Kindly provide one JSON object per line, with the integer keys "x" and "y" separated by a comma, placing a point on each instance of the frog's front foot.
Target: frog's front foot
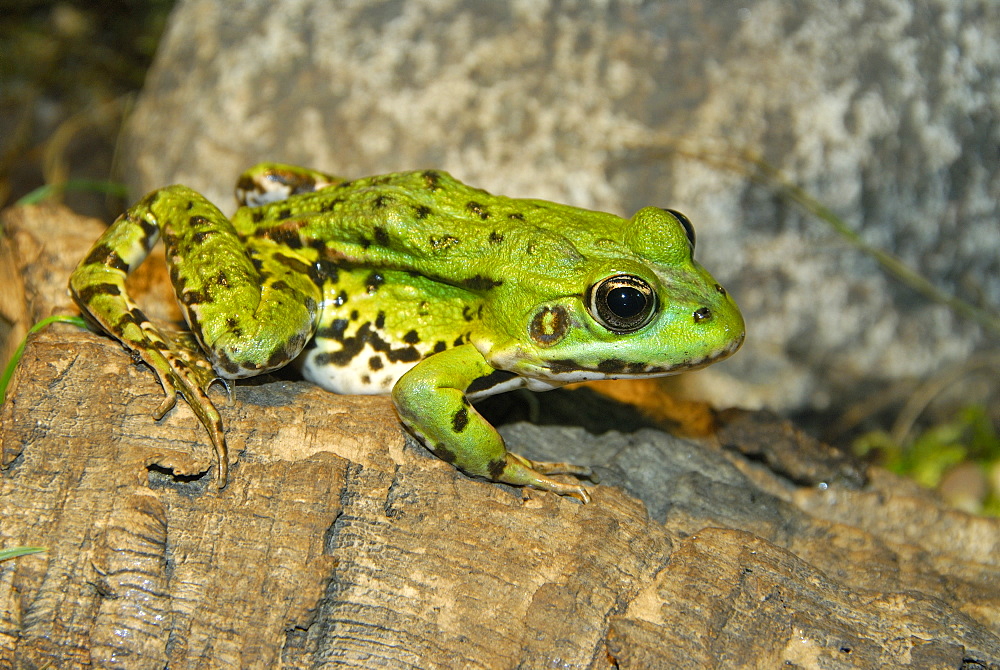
{"x": 549, "y": 468}
{"x": 521, "y": 471}
{"x": 432, "y": 404}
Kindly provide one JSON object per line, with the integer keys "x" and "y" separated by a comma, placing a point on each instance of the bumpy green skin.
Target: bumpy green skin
{"x": 416, "y": 284}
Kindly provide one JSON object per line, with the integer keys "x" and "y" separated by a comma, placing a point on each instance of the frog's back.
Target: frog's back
{"x": 429, "y": 223}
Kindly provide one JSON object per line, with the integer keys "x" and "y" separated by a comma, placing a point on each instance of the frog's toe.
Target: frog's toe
{"x": 568, "y": 490}
{"x": 169, "y": 400}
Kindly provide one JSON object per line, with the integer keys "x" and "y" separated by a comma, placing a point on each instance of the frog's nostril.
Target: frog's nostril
{"x": 702, "y": 314}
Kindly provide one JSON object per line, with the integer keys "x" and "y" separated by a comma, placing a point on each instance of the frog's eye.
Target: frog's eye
{"x": 622, "y": 303}
{"x": 686, "y": 222}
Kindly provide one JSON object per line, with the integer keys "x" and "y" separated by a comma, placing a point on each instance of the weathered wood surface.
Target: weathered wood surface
{"x": 337, "y": 542}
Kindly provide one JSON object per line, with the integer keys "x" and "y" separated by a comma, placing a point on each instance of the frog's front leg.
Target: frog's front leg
{"x": 431, "y": 402}
{"x": 250, "y": 313}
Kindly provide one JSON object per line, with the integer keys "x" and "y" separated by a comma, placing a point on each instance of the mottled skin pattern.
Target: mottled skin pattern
{"x": 415, "y": 284}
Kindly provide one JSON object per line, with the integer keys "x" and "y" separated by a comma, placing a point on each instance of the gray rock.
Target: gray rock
{"x": 885, "y": 110}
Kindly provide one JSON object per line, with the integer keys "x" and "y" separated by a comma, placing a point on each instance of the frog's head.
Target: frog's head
{"x": 638, "y": 305}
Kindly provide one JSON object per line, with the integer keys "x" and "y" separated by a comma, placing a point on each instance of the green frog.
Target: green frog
{"x": 413, "y": 284}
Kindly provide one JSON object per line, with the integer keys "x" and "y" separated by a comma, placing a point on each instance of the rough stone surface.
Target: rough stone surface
{"x": 886, "y": 110}
{"x": 337, "y": 543}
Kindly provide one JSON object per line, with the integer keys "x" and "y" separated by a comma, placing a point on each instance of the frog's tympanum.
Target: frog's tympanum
{"x": 412, "y": 284}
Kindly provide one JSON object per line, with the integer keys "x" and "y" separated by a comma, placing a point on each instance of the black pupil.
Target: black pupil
{"x": 626, "y": 302}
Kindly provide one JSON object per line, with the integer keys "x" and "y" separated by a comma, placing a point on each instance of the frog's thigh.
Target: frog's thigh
{"x": 270, "y": 182}
{"x": 431, "y": 402}
{"x": 250, "y": 314}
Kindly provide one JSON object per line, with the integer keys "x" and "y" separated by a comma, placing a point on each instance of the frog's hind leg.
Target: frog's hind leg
{"x": 265, "y": 183}
{"x": 250, "y": 314}
{"x": 98, "y": 287}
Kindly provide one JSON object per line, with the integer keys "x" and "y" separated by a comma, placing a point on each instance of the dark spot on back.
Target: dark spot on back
{"x": 442, "y": 242}
{"x": 330, "y": 205}
{"x": 477, "y": 209}
{"x": 373, "y": 281}
{"x": 325, "y": 270}
{"x": 150, "y": 199}
{"x": 432, "y": 179}
{"x": 190, "y": 297}
{"x": 481, "y": 283}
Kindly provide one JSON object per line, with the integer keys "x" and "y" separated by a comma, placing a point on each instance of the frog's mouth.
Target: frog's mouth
{"x": 568, "y": 370}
